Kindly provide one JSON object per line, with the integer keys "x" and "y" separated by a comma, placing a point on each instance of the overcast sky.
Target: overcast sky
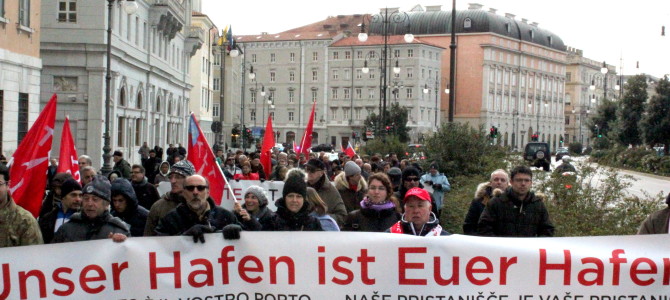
{"x": 605, "y": 30}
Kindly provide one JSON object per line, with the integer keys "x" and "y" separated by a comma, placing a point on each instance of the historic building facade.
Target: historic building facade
{"x": 20, "y": 70}
{"x": 150, "y": 84}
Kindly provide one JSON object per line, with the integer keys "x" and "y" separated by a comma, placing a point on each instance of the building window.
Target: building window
{"x": 314, "y": 95}
{"x": 315, "y": 56}
{"x": 347, "y": 74}
{"x": 67, "y": 11}
{"x": 335, "y": 74}
{"x": 359, "y": 54}
{"x": 567, "y": 120}
{"x": 138, "y": 132}
{"x": 410, "y": 52}
{"x": 291, "y": 76}
{"x": 290, "y": 116}
{"x": 292, "y": 57}
{"x": 273, "y": 57}
{"x": 409, "y": 93}
{"x": 371, "y": 93}
{"x": 347, "y": 54}
{"x": 334, "y": 93}
{"x": 410, "y": 72}
{"x": 336, "y": 55}
{"x": 359, "y": 93}
{"x": 253, "y": 58}
{"x": 215, "y": 110}
{"x": 346, "y": 93}
{"x": 215, "y": 84}
{"x": 253, "y": 96}
{"x": 359, "y": 74}
{"x": 2, "y": 15}
{"x": 253, "y": 115}
{"x": 396, "y": 53}
{"x": 273, "y": 117}
{"x": 291, "y": 96}
{"x": 272, "y": 76}
{"x": 120, "y": 131}
{"x": 24, "y": 13}
{"x": 372, "y": 73}
{"x": 467, "y": 23}
{"x": 23, "y": 116}
{"x": 217, "y": 59}
{"x": 315, "y": 75}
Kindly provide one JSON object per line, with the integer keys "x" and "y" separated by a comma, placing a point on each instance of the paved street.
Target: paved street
{"x": 641, "y": 182}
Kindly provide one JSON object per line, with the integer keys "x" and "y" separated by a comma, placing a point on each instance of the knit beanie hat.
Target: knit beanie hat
{"x": 100, "y": 187}
{"x": 295, "y": 183}
{"x": 351, "y": 169}
{"x": 69, "y": 186}
{"x": 410, "y": 171}
{"x": 182, "y": 167}
{"x": 259, "y": 192}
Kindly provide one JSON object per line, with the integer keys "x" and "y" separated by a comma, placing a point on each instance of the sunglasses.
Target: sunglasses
{"x": 411, "y": 179}
{"x": 200, "y": 188}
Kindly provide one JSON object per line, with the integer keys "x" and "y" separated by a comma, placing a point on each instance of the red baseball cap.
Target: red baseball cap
{"x": 418, "y": 192}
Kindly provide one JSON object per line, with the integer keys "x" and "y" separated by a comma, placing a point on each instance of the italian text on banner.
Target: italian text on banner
{"x": 293, "y": 265}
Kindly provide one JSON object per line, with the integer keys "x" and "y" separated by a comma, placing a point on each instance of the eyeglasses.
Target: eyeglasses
{"x": 200, "y": 188}
{"x": 411, "y": 179}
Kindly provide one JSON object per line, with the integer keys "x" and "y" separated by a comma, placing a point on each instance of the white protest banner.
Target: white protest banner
{"x": 340, "y": 265}
{"x": 273, "y": 192}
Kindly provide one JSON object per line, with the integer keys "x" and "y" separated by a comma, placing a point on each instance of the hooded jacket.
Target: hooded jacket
{"x": 331, "y": 197}
{"x": 483, "y": 195}
{"x": 431, "y": 228}
{"x": 506, "y": 215}
{"x": 134, "y": 215}
{"x": 183, "y": 218}
{"x": 146, "y": 193}
{"x": 81, "y": 228}
{"x": 350, "y": 197}
{"x": 286, "y": 220}
{"x": 160, "y": 176}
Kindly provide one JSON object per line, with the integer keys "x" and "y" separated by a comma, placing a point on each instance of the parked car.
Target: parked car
{"x": 538, "y": 154}
{"x": 561, "y": 152}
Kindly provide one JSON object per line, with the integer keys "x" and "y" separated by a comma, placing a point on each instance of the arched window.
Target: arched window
{"x": 290, "y": 137}
{"x": 158, "y": 104}
{"x": 138, "y": 103}
{"x": 122, "y": 97}
{"x": 467, "y": 23}
{"x": 169, "y": 111}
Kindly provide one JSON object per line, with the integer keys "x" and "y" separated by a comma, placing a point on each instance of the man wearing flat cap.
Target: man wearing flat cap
{"x": 121, "y": 165}
{"x": 94, "y": 222}
{"x": 318, "y": 180}
{"x": 177, "y": 176}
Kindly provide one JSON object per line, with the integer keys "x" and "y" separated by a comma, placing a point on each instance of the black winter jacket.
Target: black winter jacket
{"x": 370, "y": 220}
{"x": 182, "y": 218}
{"x": 134, "y": 215}
{"x": 285, "y": 220}
{"x": 81, "y": 228}
{"x": 146, "y": 193}
{"x": 505, "y": 215}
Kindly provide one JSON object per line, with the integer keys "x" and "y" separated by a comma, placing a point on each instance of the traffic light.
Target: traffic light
{"x": 600, "y": 135}
{"x": 492, "y": 132}
{"x": 495, "y": 133}
{"x": 388, "y": 128}
{"x": 535, "y": 137}
{"x": 561, "y": 139}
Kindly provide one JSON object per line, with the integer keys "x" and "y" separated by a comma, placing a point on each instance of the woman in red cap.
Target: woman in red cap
{"x": 418, "y": 219}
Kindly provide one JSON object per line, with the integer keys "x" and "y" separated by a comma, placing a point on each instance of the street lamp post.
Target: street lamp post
{"x": 130, "y": 7}
{"x": 452, "y": 62}
{"x": 252, "y": 76}
{"x": 386, "y": 19}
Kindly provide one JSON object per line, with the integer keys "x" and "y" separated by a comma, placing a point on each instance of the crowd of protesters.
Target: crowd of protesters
{"x": 377, "y": 193}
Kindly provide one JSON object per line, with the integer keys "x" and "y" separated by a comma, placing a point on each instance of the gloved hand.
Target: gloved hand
{"x": 198, "y": 231}
{"x": 437, "y": 186}
{"x": 232, "y": 232}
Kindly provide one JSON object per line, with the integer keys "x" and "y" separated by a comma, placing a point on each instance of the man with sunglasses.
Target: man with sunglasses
{"x": 411, "y": 178}
{"x": 198, "y": 214}
{"x": 177, "y": 175}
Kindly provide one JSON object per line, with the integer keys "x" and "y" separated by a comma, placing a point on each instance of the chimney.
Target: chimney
{"x": 511, "y": 16}
{"x": 264, "y": 33}
{"x": 524, "y": 20}
{"x": 474, "y": 6}
{"x": 492, "y": 10}
{"x": 433, "y": 7}
{"x": 534, "y": 24}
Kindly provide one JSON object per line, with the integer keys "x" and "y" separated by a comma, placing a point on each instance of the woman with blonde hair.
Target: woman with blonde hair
{"x": 320, "y": 211}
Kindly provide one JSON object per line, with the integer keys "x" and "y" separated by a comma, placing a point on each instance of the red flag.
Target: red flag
{"x": 266, "y": 149}
{"x": 202, "y": 157}
{"x": 306, "y": 143}
{"x": 68, "y": 159}
{"x": 31, "y": 160}
{"x": 349, "y": 151}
